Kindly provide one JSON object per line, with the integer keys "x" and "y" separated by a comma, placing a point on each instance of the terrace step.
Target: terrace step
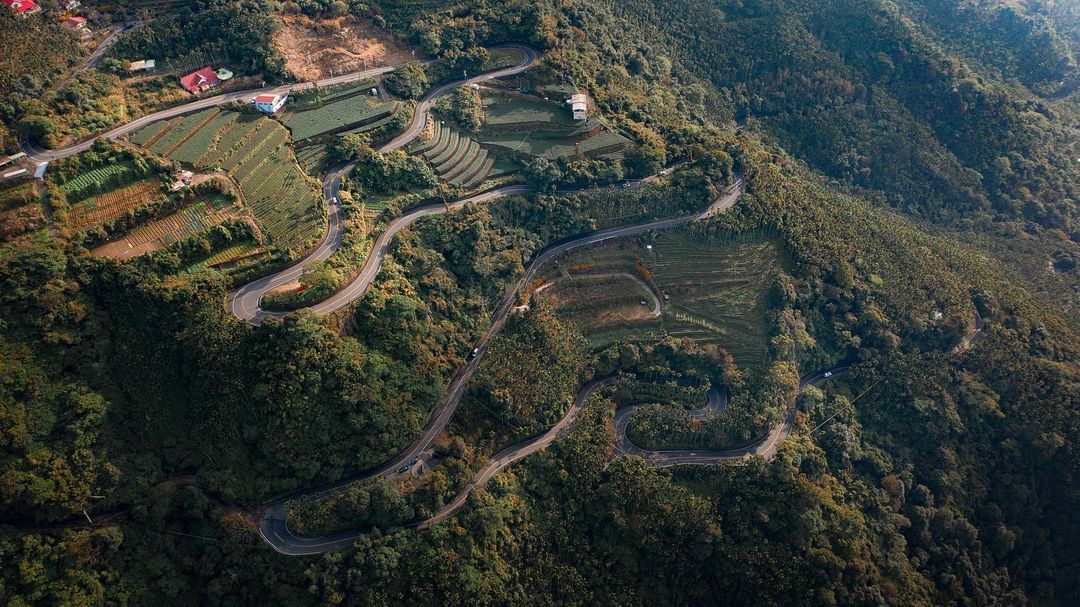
{"x": 452, "y": 157}
{"x": 468, "y": 162}
{"x": 439, "y": 154}
{"x": 481, "y": 175}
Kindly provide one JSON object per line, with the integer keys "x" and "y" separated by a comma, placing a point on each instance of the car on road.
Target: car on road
{"x": 627, "y": 184}
{"x": 664, "y": 172}
{"x": 828, "y": 374}
{"x": 403, "y": 469}
{"x": 414, "y": 460}
{"x": 473, "y": 354}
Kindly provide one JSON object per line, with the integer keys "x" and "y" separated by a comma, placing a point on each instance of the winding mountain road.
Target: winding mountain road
{"x": 272, "y": 524}
{"x": 245, "y": 301}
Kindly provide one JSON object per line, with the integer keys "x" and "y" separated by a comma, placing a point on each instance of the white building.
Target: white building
{"x": 579, "y": 104}
{"x": 142, "y": 65}
{"x": 269, "y": 104}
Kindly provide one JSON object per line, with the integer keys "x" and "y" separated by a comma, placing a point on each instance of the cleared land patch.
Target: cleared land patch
{"x": 312, "y": 48}
{"x": 535, "y": 127}
{"x": 607, "y": 308}
{"x": 256, "y": 152}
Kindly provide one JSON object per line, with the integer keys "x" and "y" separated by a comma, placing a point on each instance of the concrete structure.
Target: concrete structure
{"x": 269, "y": 104}
{"x": 142, "y": 65}
{"x": 223, "y": 74}
{"x": 579, "y": 104}
{"x": 200, "y": 80}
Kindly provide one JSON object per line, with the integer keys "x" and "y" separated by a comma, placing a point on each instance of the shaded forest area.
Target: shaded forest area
{"x": 950, "y": 481}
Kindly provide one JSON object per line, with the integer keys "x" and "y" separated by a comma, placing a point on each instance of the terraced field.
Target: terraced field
{"x": 714, "y": 292}
{"x": 255, "y": 151}
{"x": 348, "y": 113}
{"x": 606, "y": 309}
{"x": 457, "y": 158}
{"x": 535, "y": 127}
{"x": 95, "y": 180}
{"x": 111, "y": 205}
{"x": 551, "y": 146}
{"x": 185, "y": 223}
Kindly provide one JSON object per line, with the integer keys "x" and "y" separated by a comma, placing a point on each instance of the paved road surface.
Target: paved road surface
{"x": 765, "y": 448}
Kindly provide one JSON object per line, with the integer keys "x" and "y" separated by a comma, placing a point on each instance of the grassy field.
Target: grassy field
{"x": 607, "y": 309}
{"x": 256, "y": 152}
{"x": 713, "y": 292}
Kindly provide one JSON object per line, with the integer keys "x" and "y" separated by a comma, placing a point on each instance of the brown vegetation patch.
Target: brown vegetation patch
{"x": 110, "y": 205}
{"x": 314, "y": 47}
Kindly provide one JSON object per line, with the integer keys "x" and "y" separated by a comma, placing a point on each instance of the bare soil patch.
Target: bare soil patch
{"x": 314, "y": 47}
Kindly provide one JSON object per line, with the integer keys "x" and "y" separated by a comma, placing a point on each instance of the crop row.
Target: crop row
{"x": 97, "y": 179}
{"x": 109, "y": 206}
{"x": 144, "y": 135}
{"x": 283, "y": 200}
{"x": 202, "y": 140}
{"x": 336, "y": 116}
{"x": 231, "y": 140}
{"x": 437, "y": 142}
{"x": 186, "y": 222}
{"x": 180, "y": 131}
{"x": 312, "y": 158}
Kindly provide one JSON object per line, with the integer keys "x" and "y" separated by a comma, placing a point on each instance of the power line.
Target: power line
{"x": 839, "y": 410}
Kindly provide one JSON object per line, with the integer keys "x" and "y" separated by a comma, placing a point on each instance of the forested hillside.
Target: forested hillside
{"x": 896, "y": 153}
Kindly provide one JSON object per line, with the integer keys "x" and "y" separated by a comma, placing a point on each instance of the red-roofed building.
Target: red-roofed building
{"x": 269, "y": 104}
{"x": 23, "y": 7}
{"x": 200, "y": 80}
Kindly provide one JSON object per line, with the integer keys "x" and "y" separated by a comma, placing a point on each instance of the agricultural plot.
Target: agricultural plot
{"x": 312, "y": 158}
{"x": 255, "y": 151}
{"x": 538, "y": 128}
{"x": 457, "y": 158}
{"x": 179, "y": 132}
{"x": 202, "y": 140}
{"x": 337, "y": 116}
{"x": 155, "y": 235}
{"x": 95, "y": 180}
{"x": 713, "y": 292}
{"x": 112, "y": 205}
{"x": 606, "y": 308}
{"x": 551, "y": 146}
{"x": 503, "y": 110}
